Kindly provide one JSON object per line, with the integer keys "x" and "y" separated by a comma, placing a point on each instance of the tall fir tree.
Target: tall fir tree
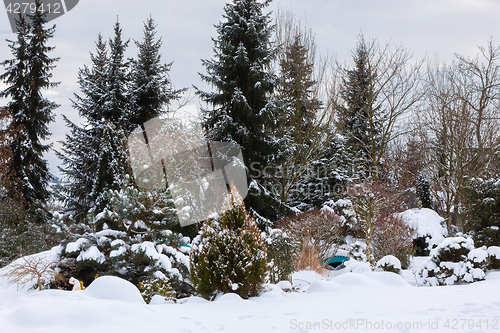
{"x": 93, "y": 84}
{"x": 104, "y": 104}
{"x": 301, "y": 133}
{"x": 78, "y": 157}
{"x": 151, "y": 86}
{"x": 79, "y": 153}
{"x": 298, "y": 87}
{"x": 242, "y": 111}
{"x": 117, "y": 108}
{"x": 355, "y": 115}
{"x": 27, "y": 75}
{"x": 112, "y": 164}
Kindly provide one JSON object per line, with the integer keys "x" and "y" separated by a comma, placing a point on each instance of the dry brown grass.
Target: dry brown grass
{"x": 309, "y": 259}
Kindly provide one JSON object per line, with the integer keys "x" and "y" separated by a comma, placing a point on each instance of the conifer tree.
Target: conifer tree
{"x": 151, "y": 86}
{"x": 112, "y": 164}
{"x": 229, "y": 254}
{"x": 117, "y": 108}
{"x": 242, "y": 111}
{"x": 93, "y": 84}
{"x": 27, "y": 75}
{"x": 303, "y": 130}
{"x": 354, "y": 115}
{"x": 424, "y": 191}
{"x": 79, "y": 154}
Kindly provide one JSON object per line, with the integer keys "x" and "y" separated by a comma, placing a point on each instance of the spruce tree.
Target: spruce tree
{"x": 79, "y": 154}
{"x": 355, "y": 115}
{"x": 79, "y": 159}
{"x": 301, "y": 132}
{"x": 27, "y": 75}
{"x": 112, "y": 164}
{"x": 424, "y": 191}
{"x": 151, "y": 86}
{"x": 118, "y": 107}
{"x": 298, "y": 88}
{"x": 93, "y": 84}
{"x": 242, "y": 111}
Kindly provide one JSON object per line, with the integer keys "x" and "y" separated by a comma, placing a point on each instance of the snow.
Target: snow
{"x": 478, "y": 255}
{"x": 114, "y": 289}
{"x": 75, "y": 246}
{"x": 453, "y": 243}
{"x": 494, "y": 251}
{"x": 353, "y": 299}
{"x": 92, "y": 253}
{"x": 426, "y": 223}
{"x": 389, "y": 261}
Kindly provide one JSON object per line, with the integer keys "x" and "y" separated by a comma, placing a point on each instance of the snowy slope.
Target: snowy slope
{"x": 353, "y": 301}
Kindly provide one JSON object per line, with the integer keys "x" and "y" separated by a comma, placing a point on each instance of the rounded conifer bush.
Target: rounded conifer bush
{"x": 229, "y": 253}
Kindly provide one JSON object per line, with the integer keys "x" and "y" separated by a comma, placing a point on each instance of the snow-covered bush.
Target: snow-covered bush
{"x": 389, "y": 264}
{"x": 111, "y": 252}
{"x": 357, "y": 250}
{"x": 391, "y": 236}
{"x": 229, "y": 254}
{"x": 323, "y": 229}
{"x": 430, "y": 229}
{"x": 345, "y": 209}
{"x": 483, "y": 211}
{"x": 135, "y": 210}
{"x": 281, "y": 255}
{"x": 493, "y": 260}
{"x": 454, "y": 260}
{"x": 21, "y": 234}
{"x": 155, "y": 286}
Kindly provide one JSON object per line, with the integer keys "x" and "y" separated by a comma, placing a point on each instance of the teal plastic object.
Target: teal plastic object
{"x": 339, "y": 259}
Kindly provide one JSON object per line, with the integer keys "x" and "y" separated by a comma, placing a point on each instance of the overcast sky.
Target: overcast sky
{"x": 432, "y": 27}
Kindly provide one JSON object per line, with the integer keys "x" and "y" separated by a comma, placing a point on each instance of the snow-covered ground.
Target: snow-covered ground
{"x": 353, "y": 299}
{"x": 358, "y": 301}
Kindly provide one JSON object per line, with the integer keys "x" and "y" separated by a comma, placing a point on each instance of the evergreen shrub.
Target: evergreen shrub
{"x": 229, "y": 255}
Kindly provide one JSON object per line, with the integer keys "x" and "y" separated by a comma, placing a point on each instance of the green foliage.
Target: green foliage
{"x": 393, "y": 265}
{"x": 242, "y": 110}
{"x": 155, "y": 286}
{"x": 134, "y": 257}
{"x": 138, "y": 211}
{"x": 151, "y": 87}
{"x": 229, "y": 254}
{"x": 281, "y": 254}
{"x": 420, "y": 246}
{"x": 454, "y": 260}
{"x": 27, "y": 75}
{"x": 493, "y": 260}
{"x": 424, "y": 191}
{"x": 21, "y": 234}
{"x": 483, "y": 211}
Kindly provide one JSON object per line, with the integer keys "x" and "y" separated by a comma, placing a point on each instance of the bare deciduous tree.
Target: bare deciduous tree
{"x": 393, "y": 87}
{"x": 461, "y": 120}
